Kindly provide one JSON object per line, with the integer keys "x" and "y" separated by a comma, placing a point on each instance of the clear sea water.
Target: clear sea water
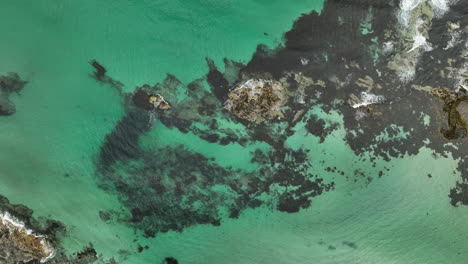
{"x": 48, "y": 147}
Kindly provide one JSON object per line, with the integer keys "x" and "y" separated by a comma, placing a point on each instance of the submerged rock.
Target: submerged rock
{"x": 100, "y": 74}
{"x": 6, "y": 107}
{"x": 257, "y": 100}
{"x": 10, "y": 83}
{"x": 170, "y": 260}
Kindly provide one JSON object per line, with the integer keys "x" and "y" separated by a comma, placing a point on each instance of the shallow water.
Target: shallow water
{"x": 51, "y": 144}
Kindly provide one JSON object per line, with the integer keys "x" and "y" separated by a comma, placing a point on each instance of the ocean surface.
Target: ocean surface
{"x": 49, "y": 148}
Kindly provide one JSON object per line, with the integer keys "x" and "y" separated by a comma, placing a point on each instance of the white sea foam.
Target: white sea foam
{"x": 461, "y": 77}
{"x": 388, "y": 47}
{"x": 368, "y": 99}
{"x": 419, "y": 41}
{"x": 439, "y": 7}
{"x": 406, "y": 7}
{"x": 360, "y": 114}
{"x": 415, "y": 28}
{"x": 454, "y": 38}
{"x": 406, "y": 76}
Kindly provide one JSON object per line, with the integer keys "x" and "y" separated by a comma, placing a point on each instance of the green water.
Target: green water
{"x": 49, "y": 145}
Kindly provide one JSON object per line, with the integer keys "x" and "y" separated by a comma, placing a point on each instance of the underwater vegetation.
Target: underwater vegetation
{"x": 378, "y": 82}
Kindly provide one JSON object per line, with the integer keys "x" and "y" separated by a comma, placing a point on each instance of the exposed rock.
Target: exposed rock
{"x": 257, "y": 100}
{"x": 368, "y": 83}
{"x": 19, "y": 244}
{"x": 456, "y": 107}
{"x": 147, "y": 101}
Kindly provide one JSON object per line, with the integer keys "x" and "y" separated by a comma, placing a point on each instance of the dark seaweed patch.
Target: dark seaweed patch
{"x": 350, "y": 244}
{"x": 10, "y": 83}
{"x": 318, "y": 127}
{"x": 100, "y": 74}
{"x": 173, "y": 188}
{"x": 170, "y": 260}
{"x": 122, "y": 143}
{"x": 219, "y": 84}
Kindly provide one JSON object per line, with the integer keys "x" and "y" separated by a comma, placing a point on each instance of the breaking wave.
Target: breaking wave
{"x": 368, "y": 99}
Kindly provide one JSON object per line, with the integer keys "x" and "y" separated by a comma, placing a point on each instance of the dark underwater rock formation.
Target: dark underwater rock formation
{"x": 326, "y": 62}
{"x": 173, "y": 181}
{"x": 122, "y": 143}
{"x": 10, "y": 83}
{"x": 179, "y": 188}
{"x": 100, "y": 74}
{"x": 170, "y": 260}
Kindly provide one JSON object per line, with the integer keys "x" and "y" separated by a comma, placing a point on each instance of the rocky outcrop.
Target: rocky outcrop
{"x": 148, "y": 101}
{"x": 257, "y": 100}
{"x": 20, "y": 244}
{"x": 25, "y": 239}
{"x": 456, "y": 107}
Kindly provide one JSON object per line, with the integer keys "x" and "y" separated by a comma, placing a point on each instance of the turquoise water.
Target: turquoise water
{"x": 49, "y": 146}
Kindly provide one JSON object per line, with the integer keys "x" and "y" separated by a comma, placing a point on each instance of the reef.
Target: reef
{"x": 381, "y": 83}
{"x": 10, "y": 83}
{"x": 25, "y": 239}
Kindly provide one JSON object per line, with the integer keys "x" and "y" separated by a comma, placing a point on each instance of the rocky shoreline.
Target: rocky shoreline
{"x": 25, "y": 239}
